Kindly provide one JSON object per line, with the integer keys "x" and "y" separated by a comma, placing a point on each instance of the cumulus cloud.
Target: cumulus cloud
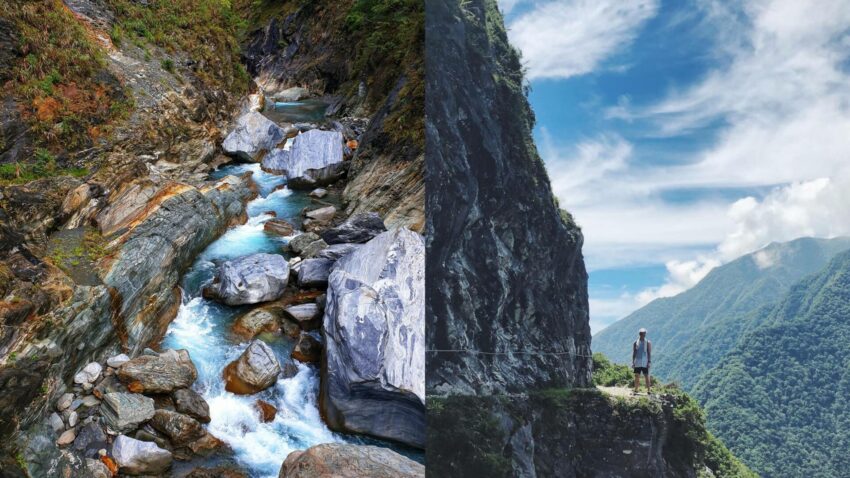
{"x": 564, "y": 38}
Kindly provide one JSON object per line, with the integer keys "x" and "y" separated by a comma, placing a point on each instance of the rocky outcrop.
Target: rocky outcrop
{"x": 374, "y": 326}
{"x": 501, "y": 256}
{"x": 358, "y": 228}
{"x": 307, "y": 316}
{"x": 574, "y": 433}
{"x": 314, "y": 273}
{"x": 252, "y": 135}
{"x": 315, "y": 159}
{"x": 189, "y": 402}
{"x": 255, "y": 322}
{"x": 254, "y": 371}
{"x": 338, "y": 460}
{"x": 159, "y": 245}
{"x": 250, "y": 279}
{"x": 161, "y": 373}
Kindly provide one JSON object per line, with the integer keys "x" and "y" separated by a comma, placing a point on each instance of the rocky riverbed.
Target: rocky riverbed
{"x": 298, "y": 328}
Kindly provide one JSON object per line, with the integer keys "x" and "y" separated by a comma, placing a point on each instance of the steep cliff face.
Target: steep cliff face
{"x": 505, "y": 269}
{"x": 365, "y": 59}
{"x": 577, "y": 433}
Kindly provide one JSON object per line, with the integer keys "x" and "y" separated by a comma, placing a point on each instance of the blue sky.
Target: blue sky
{"x": 683, "y": 134}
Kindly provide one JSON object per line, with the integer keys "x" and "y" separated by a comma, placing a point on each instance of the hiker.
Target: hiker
{"x": 641, "y": 359}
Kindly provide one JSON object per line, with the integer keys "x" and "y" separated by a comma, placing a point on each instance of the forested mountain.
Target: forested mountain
{"x": 692, "y": 331}
{"x": 779, "y": 398}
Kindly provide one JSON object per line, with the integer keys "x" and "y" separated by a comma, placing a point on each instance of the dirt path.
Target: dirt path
{"x": 625, "y": 392}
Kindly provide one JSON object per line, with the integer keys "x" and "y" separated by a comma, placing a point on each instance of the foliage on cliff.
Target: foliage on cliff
{"x": 59, "y": 76}
{"x": 205, "y": 30}
{"x": 481, "y": 435}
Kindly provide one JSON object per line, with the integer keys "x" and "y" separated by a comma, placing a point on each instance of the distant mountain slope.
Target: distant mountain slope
{"x": 779, "y": 399}
{"x": 692, "y": 331}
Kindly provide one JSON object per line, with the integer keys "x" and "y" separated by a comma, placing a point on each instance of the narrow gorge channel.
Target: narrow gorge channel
{"x": 204, "y": 328}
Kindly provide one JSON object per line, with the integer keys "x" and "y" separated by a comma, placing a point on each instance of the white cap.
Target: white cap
{"x": 642, "y": 331}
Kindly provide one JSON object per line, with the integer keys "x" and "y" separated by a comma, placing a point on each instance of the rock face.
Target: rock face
{"x": 336, "y": 251}
{"x": 278, "y": 227}
{"x": 294, "y": 93}
{"x": 251, "y": 279}
{"x": 315, "y": 159}
{"x": 162, "y": 373}
{"x": 161, "y": 243}
{"x": 255, "y": 370}
{"x": 574, "y": 434}
{"x": 488, "y": 198}
{"x": 358, "y": 228}
{"x": 337, "y": 460}
{"x": 124, "y": 412}
{"x": 136, "y": 457}
{"x": 374, "y": 326}
{"x": 253, "y": 134}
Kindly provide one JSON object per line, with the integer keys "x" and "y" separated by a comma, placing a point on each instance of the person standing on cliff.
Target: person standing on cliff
{"x": 641, "y": 359}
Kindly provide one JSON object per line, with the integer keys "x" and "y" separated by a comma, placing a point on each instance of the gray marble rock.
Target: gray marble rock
{"x": 161, "y": 373}
{"x": 314, "y": 273}
{"x": 64, "y": 401}
{"x": 307, "y": 316}
{"x": 318, "y": 193}
{"x": 299, "y": 242}
{"x": 323, "y": 214}
{"x": 336, "y": 251}
{"x": 89, "y": 374}
{"x": 56, "y": 422}
{"x": 117, "y": 360}
{"x": 124, "y": 412}
{"x": 360, "y": 227}
{"x": 189, "y": 402}
{"x": 90, "y": 438}
{"x": 250, "y": 279}
{"x": 278, "y": 227}
{"x": 276, "y": 161}
{"x": 255, "y": 370}
{"x": 374, "y": 326}
{"x": 315, "y": 159}
{"x": 253, "y": 134}
{"x": 97, "y": 468}
{"x": 135, "y": 457}
{"x": 295, "y": 93}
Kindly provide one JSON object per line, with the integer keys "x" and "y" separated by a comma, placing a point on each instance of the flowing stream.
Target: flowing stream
{"x": 203, "y": 328}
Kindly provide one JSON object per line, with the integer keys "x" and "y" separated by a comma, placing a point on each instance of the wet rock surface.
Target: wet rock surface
{"x": 255, "y": 370}
{"x": 250, "y": 279}
{"x": 189, "y": 402}
{"x": 307, "y": 349}
{"x": 315, "y": 159}
{"x": 314, "y": 273}
{"x": 349, "y": 461}
{"x": 374, "y": 330}
{"x": 124, "y": 412}
{"x": 307, "y": 316}
{"x": 256, "y": 322}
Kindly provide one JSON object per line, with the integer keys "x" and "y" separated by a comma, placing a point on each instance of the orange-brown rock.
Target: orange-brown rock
{"x": 267, "y": 411}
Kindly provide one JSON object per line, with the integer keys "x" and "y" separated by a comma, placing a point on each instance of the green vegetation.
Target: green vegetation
{"x": 692, "y": 331}
{"x": 206, "y": 30}
{"x": 469, "y": 432}
{"x": 74, "y": 251}
{"x": 42, "y": 165}
{"x": 66, "y": 95}
{"x": 779, "y": 398}
{"x": 608, "y": 374}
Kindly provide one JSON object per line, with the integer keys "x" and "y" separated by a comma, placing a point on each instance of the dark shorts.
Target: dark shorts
{"x": 641, "y": 370}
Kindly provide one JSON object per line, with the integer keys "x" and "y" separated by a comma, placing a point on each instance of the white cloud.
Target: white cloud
{"x": 681, "y": 276}
{"x": 564, "y": 38}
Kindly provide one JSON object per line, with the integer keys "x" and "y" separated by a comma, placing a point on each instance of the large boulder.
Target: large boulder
{"x": 250, "y": 279}
{"x": 161, "y": 373}
{"x": 180, "y": 429}
{"x": 374, "y": 324}
{"x": 278, "y": 227}
{"x": 254, "y": 371}
{"x": 276, "y": 162}
{"x": 360, "y": 227}
{"x": 314, "y": 273}
{"x": 255, "y": 322}
{"x": 342, "y": 460}
{"x": 136, "y": 457}
{"x": 253, "y": 134}
{"x": 189, "y": 402}
{"x": 294, "y": 93}
{"x": 124, "y": 412}
{"x": 315, "y": 159}
{"x": 336, "y": 251}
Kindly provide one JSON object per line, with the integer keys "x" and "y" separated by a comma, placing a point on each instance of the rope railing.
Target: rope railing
{"x": 511, "y": 352}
